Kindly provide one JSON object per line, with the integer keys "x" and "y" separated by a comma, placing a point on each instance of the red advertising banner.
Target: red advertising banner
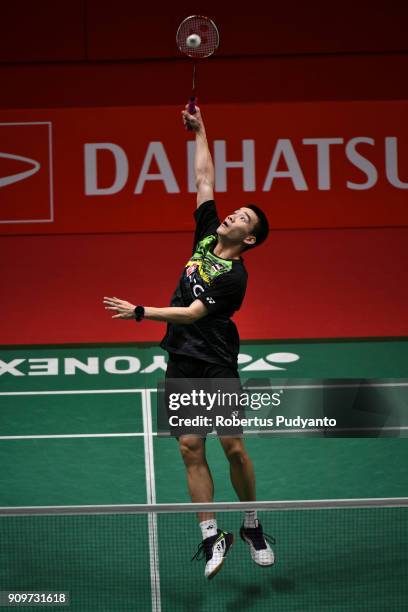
{"x": 98, "y": 170}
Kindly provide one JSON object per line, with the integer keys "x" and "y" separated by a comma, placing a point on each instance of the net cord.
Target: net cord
{"x": 309, "y": 504}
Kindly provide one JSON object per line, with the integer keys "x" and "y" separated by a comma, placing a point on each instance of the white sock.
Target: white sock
{"x": 209, "y": 528}
{"x": 250, "y": 519}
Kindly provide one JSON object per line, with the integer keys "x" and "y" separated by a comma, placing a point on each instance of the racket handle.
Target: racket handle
{"x": 192, "y": 105}
{"x": 191, "y": 109}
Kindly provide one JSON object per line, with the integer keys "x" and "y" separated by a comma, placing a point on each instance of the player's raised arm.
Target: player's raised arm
{"x": 203, "y": 163}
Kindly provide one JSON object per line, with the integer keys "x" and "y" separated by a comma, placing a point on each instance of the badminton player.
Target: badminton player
{"x": 203, "y": 343}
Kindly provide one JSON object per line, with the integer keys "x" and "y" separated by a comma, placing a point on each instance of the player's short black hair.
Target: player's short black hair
{"x": 261, "y": 229}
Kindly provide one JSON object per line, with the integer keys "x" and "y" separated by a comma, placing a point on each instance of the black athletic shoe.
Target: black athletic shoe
{"x": 214, "y": 549}
{"x": 257, "y": 540}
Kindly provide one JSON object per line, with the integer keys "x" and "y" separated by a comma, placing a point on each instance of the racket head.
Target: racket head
{"x": 206, "y": 30}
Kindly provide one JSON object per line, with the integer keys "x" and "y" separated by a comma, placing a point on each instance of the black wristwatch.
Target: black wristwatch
{"x": 140, "y": 313}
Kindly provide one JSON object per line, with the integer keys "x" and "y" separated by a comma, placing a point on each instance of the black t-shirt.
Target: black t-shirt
{"x": 220, "y": 284}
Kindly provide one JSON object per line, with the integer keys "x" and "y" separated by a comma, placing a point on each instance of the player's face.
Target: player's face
{"x": 238, "y": 226}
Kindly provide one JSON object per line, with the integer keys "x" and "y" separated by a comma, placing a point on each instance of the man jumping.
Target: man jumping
{"x": 203, "y": 343}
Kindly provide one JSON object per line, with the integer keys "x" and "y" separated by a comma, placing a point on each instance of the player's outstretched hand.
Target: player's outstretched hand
{"x": 193, "y": 122}
{"x": 124, "y": 310}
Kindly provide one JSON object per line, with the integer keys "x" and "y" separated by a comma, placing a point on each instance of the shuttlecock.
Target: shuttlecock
{"x": 193, "y": 41}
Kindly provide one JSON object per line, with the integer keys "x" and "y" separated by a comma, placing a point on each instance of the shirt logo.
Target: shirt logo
{"x": 191, "y": 269}
{"x": 210, "y": 300}
{"x": 217, "y": 267}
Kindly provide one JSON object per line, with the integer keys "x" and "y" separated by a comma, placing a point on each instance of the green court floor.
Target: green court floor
{"x": 77, "y": 426}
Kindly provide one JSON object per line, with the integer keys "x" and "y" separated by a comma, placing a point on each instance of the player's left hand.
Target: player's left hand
{"x": 124, "y": 310}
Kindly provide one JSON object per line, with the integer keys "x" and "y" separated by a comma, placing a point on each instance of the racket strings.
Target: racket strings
{"x": 206, "y": 29}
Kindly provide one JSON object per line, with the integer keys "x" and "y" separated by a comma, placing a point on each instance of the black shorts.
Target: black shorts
{"x": 211, "y": 393}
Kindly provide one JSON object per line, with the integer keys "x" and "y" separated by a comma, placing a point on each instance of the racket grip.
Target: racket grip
{"x": 192, "y": 105}
{"x": 191, "y": 109}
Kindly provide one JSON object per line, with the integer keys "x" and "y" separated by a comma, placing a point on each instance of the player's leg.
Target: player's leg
{"x": 199, "y": 480}
{"x": 180, "y": 374}
{"x": 216, "y": 543}
{"x": 241, "y": 468}
{"x": 243, "y": 480}
{"x": 226, "y": 380}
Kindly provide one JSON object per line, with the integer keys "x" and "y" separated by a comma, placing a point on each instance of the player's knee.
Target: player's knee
{"x": 192, "y": 450}
{"x": 236, "y": 454}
